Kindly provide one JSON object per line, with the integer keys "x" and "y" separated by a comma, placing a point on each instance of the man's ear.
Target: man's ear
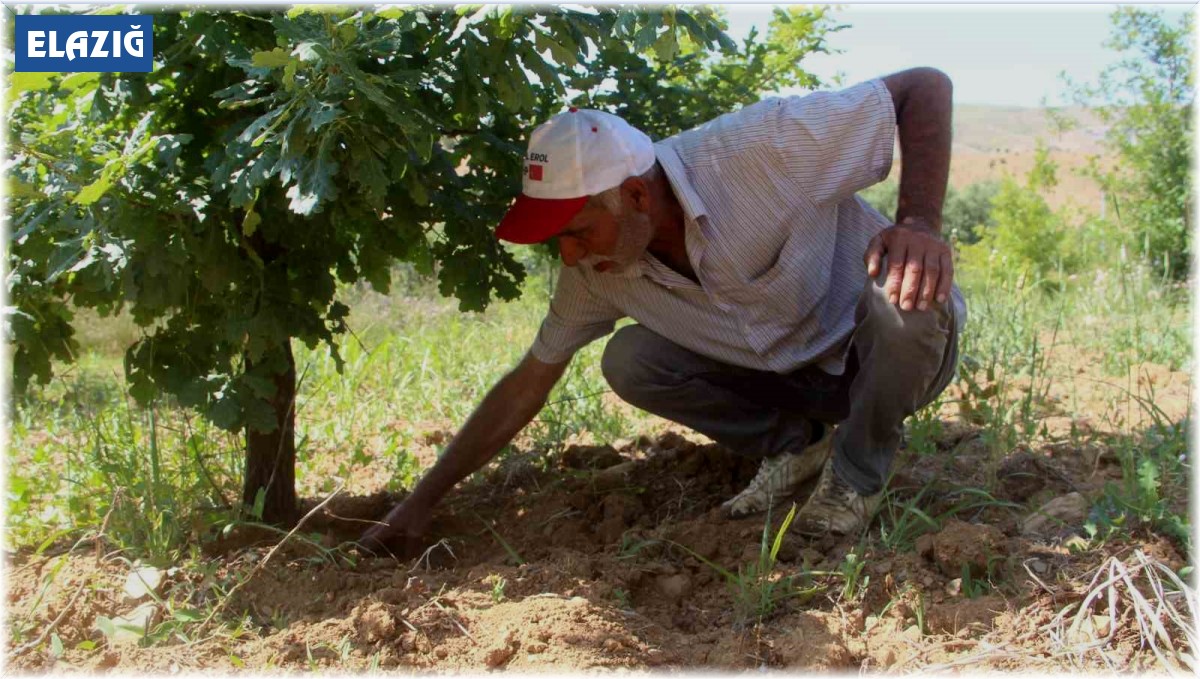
{"x": 635, "y": 191}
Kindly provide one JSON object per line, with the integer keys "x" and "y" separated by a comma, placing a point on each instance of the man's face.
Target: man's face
{"x": 606, "y": 242}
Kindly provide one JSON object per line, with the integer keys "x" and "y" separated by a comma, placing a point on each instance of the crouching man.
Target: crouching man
{"x": 777, "y": 313}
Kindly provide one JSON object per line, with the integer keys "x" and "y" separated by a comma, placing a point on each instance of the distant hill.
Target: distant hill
{"x": 992, "y": 141}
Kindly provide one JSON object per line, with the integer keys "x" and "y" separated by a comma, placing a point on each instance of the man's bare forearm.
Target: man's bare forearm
{"x": 508, "y": 407}
{"x": 923, "y": 100}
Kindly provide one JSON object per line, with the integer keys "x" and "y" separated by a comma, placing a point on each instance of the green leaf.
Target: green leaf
{"x": 29, "y": 82}
{"x": 289, "y": 74}
{"x": 250, "y": 222}
{"x": 666, "y": 47}
{"x": 85, "y": 645}
{"x": 76, "y": 81}
{"x": 187, "y": 615}
{"x": 647, "y": 34}
{"x": 317, "y": 9}
{"x": 94, "y": 191}
{"x": 260, "y": 501}
{"x": 56, "y": 645}
{"x": 273, "y": 59}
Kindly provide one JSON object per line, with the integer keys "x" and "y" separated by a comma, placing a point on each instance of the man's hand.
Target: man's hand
{"x": 507, "y": 408}
{"x": 920, "y": 267}
{"x": 401, "y": 534}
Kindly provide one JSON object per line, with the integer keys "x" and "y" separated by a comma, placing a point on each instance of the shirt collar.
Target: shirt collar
{"x": 693, "y": 207}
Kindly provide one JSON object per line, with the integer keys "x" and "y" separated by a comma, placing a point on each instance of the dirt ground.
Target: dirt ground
{"x": 598, "y": 558}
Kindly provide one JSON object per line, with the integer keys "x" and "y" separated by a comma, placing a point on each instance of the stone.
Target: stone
{"x": 1062, "y": 512}
{"x": 131, "y": 627}
{"x": 590, "y": 457}
{"x": 674, "y": 587}
{"x": 142, "y": 582}
{"x": 498, "y": 656}
{"x": 614, "y": 477}
{"x": 962, "y": 545}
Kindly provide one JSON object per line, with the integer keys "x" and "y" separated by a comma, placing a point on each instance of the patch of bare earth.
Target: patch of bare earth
{"x": 595, "y": 559}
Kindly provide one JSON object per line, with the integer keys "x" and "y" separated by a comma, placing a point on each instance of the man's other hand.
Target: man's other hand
{"x": 401, "y": 534}
{"x": 920, "y": 267}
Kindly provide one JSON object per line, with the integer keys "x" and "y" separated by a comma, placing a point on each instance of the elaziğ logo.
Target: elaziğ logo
{"x": 74, "y": 43}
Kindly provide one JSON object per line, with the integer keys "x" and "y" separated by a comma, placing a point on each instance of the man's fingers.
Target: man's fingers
{"x": 943, "y": 289}
{"x": 912, "y": 282}
{"x": 873, "y": 255}
{"x": 895, "y": 277}
{"x": 929, "y": 280}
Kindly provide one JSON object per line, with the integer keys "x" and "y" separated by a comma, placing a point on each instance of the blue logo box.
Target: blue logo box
{"x": 75, "y": 43}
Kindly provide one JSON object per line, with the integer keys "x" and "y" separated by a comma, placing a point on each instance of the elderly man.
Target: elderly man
{"x": 777, "y": 312}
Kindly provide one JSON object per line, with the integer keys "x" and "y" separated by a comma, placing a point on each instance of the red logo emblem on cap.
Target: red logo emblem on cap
{"x": 535, "y": 172}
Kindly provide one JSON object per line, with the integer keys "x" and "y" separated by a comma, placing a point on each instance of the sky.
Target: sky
{"x": 1009, "y": 55}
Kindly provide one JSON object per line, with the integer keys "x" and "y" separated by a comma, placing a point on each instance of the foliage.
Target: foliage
{"x": 1029, "y": 238}
{"x": 966, "y": 214}
{"x": 680, "y": 78}
{"x": 221, "y": 199}
{"x": 1146, "y": 99}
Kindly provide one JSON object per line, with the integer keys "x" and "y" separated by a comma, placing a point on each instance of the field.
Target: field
{"x": 1037, "y": 519}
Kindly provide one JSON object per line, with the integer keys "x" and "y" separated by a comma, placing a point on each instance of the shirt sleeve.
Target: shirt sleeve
{"x": 835, "y": 144}
{"x": 576, "y": 317}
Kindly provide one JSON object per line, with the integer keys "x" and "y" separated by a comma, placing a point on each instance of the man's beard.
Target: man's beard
{"x": 635, "y": 231}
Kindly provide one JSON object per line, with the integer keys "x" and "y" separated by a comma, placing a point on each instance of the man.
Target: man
{"x": 777, "y": 312}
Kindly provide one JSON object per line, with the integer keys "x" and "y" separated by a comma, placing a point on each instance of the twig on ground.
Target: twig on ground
{"x": 78, "y": 591}
{"x": 259, "y": 566}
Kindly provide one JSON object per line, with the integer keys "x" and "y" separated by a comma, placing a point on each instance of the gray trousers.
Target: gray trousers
{"x": 898, "y": 362}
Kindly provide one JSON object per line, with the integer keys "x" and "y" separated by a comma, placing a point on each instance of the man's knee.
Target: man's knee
{"x": 878, "y": 315}
{"x": 627, "y": 362}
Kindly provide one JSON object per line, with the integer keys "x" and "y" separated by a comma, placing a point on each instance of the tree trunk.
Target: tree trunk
{"x": 271, "y": 457}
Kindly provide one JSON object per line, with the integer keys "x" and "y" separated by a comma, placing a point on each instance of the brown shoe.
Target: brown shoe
{"x": 835, "y": 507}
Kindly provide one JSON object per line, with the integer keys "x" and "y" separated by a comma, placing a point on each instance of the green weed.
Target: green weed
{"x": 757, "y": 589}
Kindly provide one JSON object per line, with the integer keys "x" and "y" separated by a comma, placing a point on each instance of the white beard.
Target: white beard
{"x": 634, "y": 236}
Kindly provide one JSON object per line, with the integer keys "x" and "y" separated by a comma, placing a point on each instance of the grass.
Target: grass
{"x": 758, "y": 588}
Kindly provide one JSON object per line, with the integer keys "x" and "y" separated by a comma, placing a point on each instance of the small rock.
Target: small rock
{"x": 1039, "y": 566}
{"x": 498, "y": 656}
{"x": 535, "y": 647}
{"x": 590, "y": 457}
{"x": 966, "y": 545}
{"x": 141, "y": 582}
{"x": 674, "y": 587}
{"x": 655, "y": 657}
{"x": 1102, "y": 625}
{"x": 613, "y": 477}
{"x": 954, "y": 587}
{"x": 924, "y": 545}
{"x": 1092, "y": 628}
{"x": 811, "y": 557}
{"x": 1064, "y": 511}
{"x": 611, "y": 645}
{"x": 132, "y": 626}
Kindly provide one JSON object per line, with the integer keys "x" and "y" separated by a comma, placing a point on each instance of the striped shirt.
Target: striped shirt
{"x": 773, "y": 230}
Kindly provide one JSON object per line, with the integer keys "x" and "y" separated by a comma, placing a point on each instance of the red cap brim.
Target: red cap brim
{"x": 533, "y": 220}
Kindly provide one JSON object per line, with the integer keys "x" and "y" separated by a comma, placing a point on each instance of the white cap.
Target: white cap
{"x": 575, "y": 154}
